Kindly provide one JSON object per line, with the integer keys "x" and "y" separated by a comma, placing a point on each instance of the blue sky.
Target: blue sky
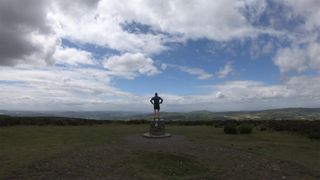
{"x": 219, "y": 55}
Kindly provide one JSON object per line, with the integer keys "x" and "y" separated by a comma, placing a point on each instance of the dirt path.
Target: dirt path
{"x": 108, "y": 161}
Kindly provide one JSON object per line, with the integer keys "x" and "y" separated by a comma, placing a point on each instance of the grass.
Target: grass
{"x": 161, "y": 165}
{"x": 22, "y": 146}
{"x": 280, "y": 145}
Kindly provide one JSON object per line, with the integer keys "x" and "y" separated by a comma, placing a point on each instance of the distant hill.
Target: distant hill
{"x": 98, "y": 115}
{"x": 272, "y": 114}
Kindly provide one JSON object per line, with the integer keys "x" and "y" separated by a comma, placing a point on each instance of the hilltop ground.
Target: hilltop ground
{"x": 116, "y": 151}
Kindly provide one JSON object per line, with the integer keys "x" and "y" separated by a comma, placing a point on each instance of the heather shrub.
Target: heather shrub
{"x": 262, "y": 127}
{"x": 245, "y": 129}
{"x": 230, "y": 129}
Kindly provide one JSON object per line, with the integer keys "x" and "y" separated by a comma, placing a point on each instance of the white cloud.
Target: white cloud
{"x": 89, "y": 89}
{"x": 291, "y": 60}
{"x": 309, "y": 9}
{"x": 131, "y": 65}
{"x": 101, "y": 23}
{"x": 55, "y": 88}
{"x": 218, "y": 20}
{"x": 227, "y": 70}
{"x": 200, "y": 73}
{"x": 260, "y": 48}
{"x": 313, "y": 52}
{"x": 250, "y": 95}
{"x": 219, "y": 95}
{"x": 32, "y": 31}
{"x": 72, "y": 56}
{"x": 305, "y": 86}
{"x": 100, "y": 26}
{"x": 248, "y": 90}
{"x": 298, "y": 59}
{"x": 303, "y": 51}
{"x": 295, "y": 87}
{"x": 164, "y": 66}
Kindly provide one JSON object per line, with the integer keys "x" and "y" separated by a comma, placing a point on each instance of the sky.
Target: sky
{"x": 106, "y": 55}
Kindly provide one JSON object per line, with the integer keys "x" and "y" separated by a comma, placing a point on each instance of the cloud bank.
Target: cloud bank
{"x": 39, "y": 70}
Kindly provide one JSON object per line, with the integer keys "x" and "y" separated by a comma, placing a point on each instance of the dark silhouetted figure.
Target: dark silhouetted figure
{"x": 156, "y": 101}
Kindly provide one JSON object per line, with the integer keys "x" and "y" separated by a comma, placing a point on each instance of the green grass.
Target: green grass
{"x": 161, "y": 165}
{"x": 280, "y": 145}
{"x": 22, "y": 146}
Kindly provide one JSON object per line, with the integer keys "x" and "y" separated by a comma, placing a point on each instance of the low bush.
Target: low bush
{"x": 310, "y": 129}
{"x": 262, "y": 128}
{"x": 245, "y": 129}
{"x": 314, "y": 135}
{"x": 230, "y": 129}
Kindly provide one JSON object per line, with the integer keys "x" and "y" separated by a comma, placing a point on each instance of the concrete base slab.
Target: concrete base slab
{"x": 148, "y": 135}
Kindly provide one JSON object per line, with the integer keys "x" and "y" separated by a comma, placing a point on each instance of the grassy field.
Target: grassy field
{"x": 119, "y": 152}
{"x": 280, "y": 145}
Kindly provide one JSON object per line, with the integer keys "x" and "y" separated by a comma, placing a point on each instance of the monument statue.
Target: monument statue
{"x": 157, "y": 125}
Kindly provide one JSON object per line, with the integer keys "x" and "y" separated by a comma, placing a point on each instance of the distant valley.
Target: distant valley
{"x": 273, "y": 114}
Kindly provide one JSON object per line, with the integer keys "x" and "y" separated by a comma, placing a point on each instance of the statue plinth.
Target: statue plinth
{"x": 157, "y": 130}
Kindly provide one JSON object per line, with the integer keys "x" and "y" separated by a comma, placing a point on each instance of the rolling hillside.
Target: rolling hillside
{"x": 274, "y": 114}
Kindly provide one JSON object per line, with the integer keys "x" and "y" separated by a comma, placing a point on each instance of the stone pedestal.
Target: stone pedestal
{"x": 157, "y": 130}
